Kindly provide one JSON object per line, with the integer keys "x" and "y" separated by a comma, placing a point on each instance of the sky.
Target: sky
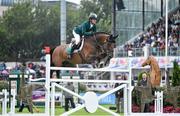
{"x": 74, "y": 1}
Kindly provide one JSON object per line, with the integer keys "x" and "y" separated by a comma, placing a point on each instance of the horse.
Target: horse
{"x": 94, "y": 47}
{"x": 155, "y": 73}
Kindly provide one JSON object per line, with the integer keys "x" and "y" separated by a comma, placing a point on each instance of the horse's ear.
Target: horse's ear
{"x": 115, "y": 36}
{"x": 111, "y": 36}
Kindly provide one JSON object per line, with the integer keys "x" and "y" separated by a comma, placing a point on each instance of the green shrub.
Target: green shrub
{"x": 82, "y": 88}
{"x": 4, "y": 85}
{"x": 176, "y": 74}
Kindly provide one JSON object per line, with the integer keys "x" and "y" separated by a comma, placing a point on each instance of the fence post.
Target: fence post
{"x": 161, "y": 107}
{"x": 158, "y": 102}
{"x": 47, "y": 84}
{"x": 4, "y": 102}
{"x": 52, "y": 100}
{"x": 13, "y": 102}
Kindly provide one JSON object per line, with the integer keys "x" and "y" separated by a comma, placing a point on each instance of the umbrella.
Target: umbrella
{"x": 5, "y": 72}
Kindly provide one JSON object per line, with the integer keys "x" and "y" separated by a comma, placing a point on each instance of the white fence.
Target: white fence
{"x": 158, "y": 102}
{"x": 5, "y": 99}
{"x": 93, "y": 104}
{"x": 126, "y": 85}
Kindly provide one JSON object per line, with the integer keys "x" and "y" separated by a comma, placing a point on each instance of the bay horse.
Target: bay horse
{"x": 155, "y": 72}
{"x": 94, "y": 47}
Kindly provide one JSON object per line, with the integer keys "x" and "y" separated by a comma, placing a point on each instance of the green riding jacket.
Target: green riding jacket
{"x": 84, "y": 29}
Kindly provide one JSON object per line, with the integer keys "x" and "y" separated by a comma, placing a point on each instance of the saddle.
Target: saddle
{"x": 76, "y": 48}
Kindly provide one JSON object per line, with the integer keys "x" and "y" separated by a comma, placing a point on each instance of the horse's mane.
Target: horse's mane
{"x": 102, "y": 33}
{"x": 96, "y": 33}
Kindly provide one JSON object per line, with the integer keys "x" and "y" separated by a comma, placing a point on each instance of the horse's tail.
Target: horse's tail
{"x": 51, "y": 52}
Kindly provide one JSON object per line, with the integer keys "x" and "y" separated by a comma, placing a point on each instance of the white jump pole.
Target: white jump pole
{"x": 129, "y": 89}
{"x": 47, "y": 83}
{"x": 159, "y": 102}
{"x": 52, "y": 100}
{"x": 4, "y": 102}
{"x": 13, "y": 101}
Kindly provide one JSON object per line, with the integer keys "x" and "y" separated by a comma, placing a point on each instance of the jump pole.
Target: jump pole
{"x": 47, "y": 81}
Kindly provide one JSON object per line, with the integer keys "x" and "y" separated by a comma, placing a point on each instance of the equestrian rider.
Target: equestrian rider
{"x": 88, "y": 28}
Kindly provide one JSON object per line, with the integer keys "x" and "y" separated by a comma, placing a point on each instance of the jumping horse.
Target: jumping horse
{"x": 94, "y": 47}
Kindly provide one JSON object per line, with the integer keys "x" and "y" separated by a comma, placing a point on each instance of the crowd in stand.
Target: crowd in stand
{"x": 36, "y": 70}
{"x": 154, "y": 36}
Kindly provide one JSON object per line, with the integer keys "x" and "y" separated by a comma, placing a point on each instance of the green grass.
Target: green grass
{"x": 60, "y": 110}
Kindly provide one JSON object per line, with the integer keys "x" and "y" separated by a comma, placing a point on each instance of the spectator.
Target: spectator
{"x": 68, "y": 96}
{"x": 143, "y": 82}
{"x": 54, "y": 75}
{"x": 118, "y": 94}
{"x": 155, "y": 35}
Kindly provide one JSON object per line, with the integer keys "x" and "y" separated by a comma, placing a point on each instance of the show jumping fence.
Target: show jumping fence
{"x": 91, "y": 104}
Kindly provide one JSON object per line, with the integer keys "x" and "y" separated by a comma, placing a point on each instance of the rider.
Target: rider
{"x": 88, "y": 28}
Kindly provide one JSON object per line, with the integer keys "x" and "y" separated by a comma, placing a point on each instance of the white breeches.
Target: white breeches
{"x": 77, "y": 37}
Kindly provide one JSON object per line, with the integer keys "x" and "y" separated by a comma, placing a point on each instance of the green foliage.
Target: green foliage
{"x": 3, "y": 42}
{"x": 103, "y": 10}
{"x": 176, "y": 74}
{"x": 28, "y": 27}
{"x": 82, "y": 88}
{"x": 4, "y": 85}
{"x": 25, "y": 28}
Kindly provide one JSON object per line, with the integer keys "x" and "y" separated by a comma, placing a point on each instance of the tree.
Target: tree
{"x": 102, "y": 8}
{"x": 3, "y": 42}
{"x": 25, "y": 28}
{"x": 30, "y": 27}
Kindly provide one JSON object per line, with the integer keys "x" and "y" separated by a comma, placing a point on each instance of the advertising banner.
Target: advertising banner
{"x": 137, "y": 62}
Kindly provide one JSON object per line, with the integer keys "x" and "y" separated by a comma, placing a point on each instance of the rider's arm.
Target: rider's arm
{"x": 88, "y": 33}
{"x": 84, "y": 30}
{"x": 94, "y": 28}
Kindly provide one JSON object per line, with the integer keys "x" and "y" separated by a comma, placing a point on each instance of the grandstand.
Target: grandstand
{"x": 142, "y": 23}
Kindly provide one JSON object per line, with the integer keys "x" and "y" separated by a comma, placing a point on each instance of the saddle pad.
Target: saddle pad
{"x": 80, "y": 48}
{"x": 68, "y": 49}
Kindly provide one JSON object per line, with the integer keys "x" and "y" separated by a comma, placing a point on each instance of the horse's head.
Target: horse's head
{"x": 104, "y": 38}
{"x": 107, "y": 43}
{"x": 147, "y": 61}
{"x": 111, "y": 42}
{"x": 103, "y": 43}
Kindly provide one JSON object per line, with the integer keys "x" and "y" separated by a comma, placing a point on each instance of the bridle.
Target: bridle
{"x": 99, "y": 45}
